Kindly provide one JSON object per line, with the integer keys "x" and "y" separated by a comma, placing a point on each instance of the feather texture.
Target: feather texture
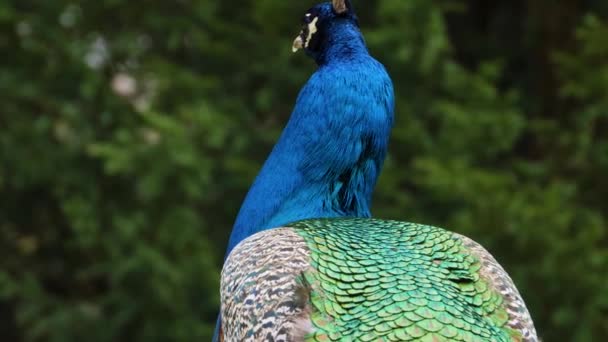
{"x": 336, "y": 274}
{"x": 330, "y": 154}
{"x": 368, "y": 280}
{"x": 331, "y": 151}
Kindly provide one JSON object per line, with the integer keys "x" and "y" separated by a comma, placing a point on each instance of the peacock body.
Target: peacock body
{"x": 305, "y": 262}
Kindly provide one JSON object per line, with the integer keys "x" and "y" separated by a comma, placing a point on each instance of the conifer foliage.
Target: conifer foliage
{"x": 131, "y": 131}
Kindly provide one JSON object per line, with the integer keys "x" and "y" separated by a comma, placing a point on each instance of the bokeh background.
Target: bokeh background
{"x": 131, "y": 130}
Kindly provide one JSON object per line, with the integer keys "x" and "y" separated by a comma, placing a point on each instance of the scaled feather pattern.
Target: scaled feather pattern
{"x": 368, "y": 280}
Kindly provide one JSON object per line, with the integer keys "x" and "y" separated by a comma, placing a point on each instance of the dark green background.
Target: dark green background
{"x": 116, "y": 204}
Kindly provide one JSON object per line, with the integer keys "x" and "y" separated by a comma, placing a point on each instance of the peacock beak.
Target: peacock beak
{"x": 298, "y": 43}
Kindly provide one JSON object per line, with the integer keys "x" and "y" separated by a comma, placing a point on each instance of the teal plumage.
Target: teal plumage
{"x": 306, "y": 263}
{"x": 368, "y": 280}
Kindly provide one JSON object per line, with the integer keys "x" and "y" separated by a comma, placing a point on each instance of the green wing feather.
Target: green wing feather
{"x": 378, "y": 280}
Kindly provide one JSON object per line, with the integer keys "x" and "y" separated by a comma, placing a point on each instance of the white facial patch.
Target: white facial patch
{"x": 312, "y": 29}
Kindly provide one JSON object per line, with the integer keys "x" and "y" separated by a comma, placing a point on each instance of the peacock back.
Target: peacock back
{"x": 368, "y": 280}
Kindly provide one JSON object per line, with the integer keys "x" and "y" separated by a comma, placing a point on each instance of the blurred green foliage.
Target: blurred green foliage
{"x": 132, "y": 130}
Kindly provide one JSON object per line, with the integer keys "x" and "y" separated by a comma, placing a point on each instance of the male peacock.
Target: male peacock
{"x": 329, "y": 272}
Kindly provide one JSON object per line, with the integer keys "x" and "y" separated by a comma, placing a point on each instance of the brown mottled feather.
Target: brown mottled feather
{"x": 263, "y": 291}
{"x": 519, "y": 317}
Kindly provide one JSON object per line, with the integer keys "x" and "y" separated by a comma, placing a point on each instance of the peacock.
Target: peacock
{"x": 305, "y": 260}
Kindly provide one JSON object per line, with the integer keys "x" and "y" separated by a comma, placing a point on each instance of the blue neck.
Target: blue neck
{"x": 342, "y": 43}
{"x": 330, "y": 154}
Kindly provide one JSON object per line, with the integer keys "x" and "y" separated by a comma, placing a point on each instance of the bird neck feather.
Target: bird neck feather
{"x": 344, "y": 41}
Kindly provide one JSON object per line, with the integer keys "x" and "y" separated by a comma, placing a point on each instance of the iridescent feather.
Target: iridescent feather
{"x": 351, "y": 279}
{"x": 368, "y": 280}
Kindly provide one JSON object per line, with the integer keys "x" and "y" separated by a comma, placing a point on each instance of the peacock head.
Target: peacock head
{"x": 326, "y": 25}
